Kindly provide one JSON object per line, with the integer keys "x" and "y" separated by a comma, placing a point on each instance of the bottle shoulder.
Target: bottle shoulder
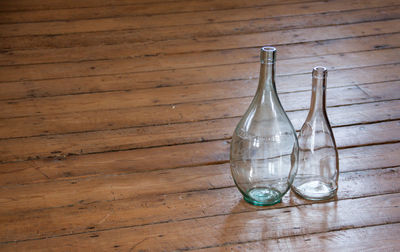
{"x": 316, "y": 134}
{"x": 258, "y": 118}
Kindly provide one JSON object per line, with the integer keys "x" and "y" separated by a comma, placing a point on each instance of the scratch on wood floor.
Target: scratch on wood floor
{"x": 104, "y": 219}
{"x": 137, "y": 244}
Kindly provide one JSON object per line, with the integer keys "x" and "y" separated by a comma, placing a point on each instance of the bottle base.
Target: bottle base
{"x": 263, "y": 196}
{"x": 314, "y": 190}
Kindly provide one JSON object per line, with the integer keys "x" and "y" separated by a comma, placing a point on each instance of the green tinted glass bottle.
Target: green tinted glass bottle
{"x": 264, "y": 146}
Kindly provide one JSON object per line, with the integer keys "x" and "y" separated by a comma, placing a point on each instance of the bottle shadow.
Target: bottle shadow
{"x": 260, "y": 227}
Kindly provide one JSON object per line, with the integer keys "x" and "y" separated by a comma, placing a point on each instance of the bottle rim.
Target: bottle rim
{"x": 268, "y": 54}
{"x": 268, "y": 49}
{"x": 319, "y": 72}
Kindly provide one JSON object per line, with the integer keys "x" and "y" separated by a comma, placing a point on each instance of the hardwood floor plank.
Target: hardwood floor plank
{"x": 232, "y": 56}
{"x": 101, "y": 119}
{"x": 142, "y": 137}
{"x": 180, "y": 94}
{"x": 107, "y": 67}
{"x": 179, "y": 19}
{"x": 355, "y": 114}
{"x": 56, "y": 6}
{"x": 191, "y": 33}
{"x": 177, "y": 96}
{"x": 132, "y": 9}
{"x": 373, "y": 156}
{"x": 59, "y": 4}
{"x": 117, "y": 116}
{"x": 357, "y": 135}
{"x": 291, "y": 101}
{"x": 78, "y": 218}
{"x": 247, "y": 73}
{"x": 141, "y": 160}
{"x": 243, "y": 227}
{"x": 63, "y": 193}
{"x": 382, "y": 237}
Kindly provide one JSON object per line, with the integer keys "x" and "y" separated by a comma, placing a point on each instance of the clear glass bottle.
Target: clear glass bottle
{"x": 318, "y": 171}
{"x": 264, "y": 147}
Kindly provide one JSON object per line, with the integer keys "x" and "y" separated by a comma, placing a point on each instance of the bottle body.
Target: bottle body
{"x": 264, "y": 146}
{"x": 318, "y": 170}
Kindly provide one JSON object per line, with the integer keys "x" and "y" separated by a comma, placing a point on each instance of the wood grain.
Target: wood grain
{"x": 38, "y": 5}
{"x": 95, "y": 10}
{"x": 144, "y": 137}
{"x": 242, "y": 227}
{"x": 38, "y": 196}
{"x": 131, "y": 22}
{"x": 380, "y": 237}
{"x": 295, "y": 103}
{"x": 163, "y": 5}
{"x": 224, "y": 73}
{"x": 154, "y": 55}
{"x": 100, "y": 215}
{"x": 116, "y": 118}
{"x": 173, "y": 95}
{"x": 188, "y": 155}
{"x": 190, "y": 31}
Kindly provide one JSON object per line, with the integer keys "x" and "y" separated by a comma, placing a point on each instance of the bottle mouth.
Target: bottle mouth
{"x": 319, "y": 72}
{"x": 267, "y": 55}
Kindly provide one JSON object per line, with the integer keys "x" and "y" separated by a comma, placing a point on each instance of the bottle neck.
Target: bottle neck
{"x": 318, "y": 98}
{"x": 266, "y": 83}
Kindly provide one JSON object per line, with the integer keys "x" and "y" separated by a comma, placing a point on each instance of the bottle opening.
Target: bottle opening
{"x": 268, "y": 49}
{"x": 319, "y": 72}
{"x": 268, "y": 55}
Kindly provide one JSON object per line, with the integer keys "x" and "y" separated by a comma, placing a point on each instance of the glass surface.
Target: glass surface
{"x": 264, "y": 146}
{"x": 318, "y": 171}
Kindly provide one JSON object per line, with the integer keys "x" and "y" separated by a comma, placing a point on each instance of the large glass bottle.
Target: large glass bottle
{"x": 264, "y": 146}
{"x": 318, "y": 171}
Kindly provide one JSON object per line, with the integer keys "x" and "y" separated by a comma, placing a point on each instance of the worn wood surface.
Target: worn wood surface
{"x": 116, "y": 118}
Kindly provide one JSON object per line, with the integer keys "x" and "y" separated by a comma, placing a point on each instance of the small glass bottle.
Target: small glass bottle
{"x": 264, "y": 146}
{"x": 318, "y": 170}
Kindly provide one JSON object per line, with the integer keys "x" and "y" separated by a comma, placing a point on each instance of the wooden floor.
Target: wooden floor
{"x": 116, "y": 118}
